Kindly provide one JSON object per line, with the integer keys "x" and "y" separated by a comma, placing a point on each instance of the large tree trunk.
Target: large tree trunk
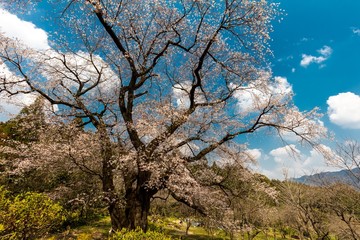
{"x": 112, "y": 199}
{"x": 108, "y": 187}
{"x": 116, "y": 215}
{"x": 137, "y": 209}
{"x": 134, "y": 214}
{"x": 138, "y": 197}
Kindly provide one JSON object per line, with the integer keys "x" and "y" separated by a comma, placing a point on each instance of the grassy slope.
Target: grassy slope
{"x": 99, "y": 230}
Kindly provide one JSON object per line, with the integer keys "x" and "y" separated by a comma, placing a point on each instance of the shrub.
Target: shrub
{"x": 27, "y": 215}
{"x": 138, "y": 234}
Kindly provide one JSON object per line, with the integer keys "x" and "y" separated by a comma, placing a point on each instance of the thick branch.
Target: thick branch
{"x": 194, "y": 206}
{"x": 116, "y": 40}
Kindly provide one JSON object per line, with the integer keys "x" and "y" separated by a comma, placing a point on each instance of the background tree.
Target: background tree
{"x": 346, "y": 157}
{"x": 22, "y": 130}
{"x": 163, "y": 85}
{"x": 344, "y": 202}
{"x": 306, "y": 209}
{"x": 37, "y": 154}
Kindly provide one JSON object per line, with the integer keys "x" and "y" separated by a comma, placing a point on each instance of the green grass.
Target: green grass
{"x": 177, "y": 229}
{"x": 95, "y": 230}
{"x": 171, "y": 226}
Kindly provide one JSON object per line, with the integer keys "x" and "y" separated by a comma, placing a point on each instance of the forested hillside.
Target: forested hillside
{"x": 348, "y": 176}
{"x": 58, "y": 193}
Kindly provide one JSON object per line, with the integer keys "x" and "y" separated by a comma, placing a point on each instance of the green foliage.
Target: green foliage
{"x": 138, "y": 234}
{"x": 25, "y": 127}
{"x": 27, "y": 215}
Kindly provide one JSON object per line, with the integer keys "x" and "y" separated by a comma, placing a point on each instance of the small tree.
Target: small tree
{"x": 28, "y": 215}
{"x": 163, "y": 85}
{"x": 305, "y": 209}
{"x": 344, "y": 201}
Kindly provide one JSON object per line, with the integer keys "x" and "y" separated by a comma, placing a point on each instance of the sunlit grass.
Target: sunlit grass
{"x": 171, "y": 226}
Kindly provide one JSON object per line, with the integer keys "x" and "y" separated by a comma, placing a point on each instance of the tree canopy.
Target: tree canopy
{"x": 161, "y": 88}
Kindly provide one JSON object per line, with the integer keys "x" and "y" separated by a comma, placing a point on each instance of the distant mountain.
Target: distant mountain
{"x": 350, "y": 177}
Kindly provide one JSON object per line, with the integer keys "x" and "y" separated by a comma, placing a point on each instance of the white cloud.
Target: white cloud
{"x": 304, "y": 39}
{"x": 283, "y": 154}
{"x": 254, "y": 154}
{"x": 11, "y": 105}
{"x": 281, "y": 86}
{"x": 305, "y": 129}
{"x": 344, "y": 110}
{"x": 26, "y": 32}
{"x": 325, "y": 52}
{"x": 289, "y": 136}
{"x": 290, "y": 162}
{"x": 316, "y": 160}
{"x": 189, "y": 149}
{"x": 20, "y": 99}
{"x": 15, "y": 29}
{"x": 181, "y": 93}
{"x": 81, "y": 63}
{"x": 308, "y": 59}
{"x": 356, "y": 31}
{"x": 257, "y": 94}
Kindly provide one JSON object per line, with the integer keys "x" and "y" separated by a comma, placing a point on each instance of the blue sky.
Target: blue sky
{"x": 308, "y": 26}
{"x": 316, "y": 48}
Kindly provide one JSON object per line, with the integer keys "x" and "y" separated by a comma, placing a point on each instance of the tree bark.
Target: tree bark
{"x": 134, "y": 214}
{"x": 138, "y": 196}
{"x": 116, "y": 216}
{"x": 137, "y": 209}
{"x": 111, "y": 197}
{"x": 107, "y": 179}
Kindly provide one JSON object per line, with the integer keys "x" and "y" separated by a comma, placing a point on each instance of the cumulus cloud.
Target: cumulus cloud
{"x": 308, "y": 59}
{"x": 316, "y": 161}
{"x": 86, "y": 67}
{"x": 344, "y": 110}
{"x": 12, "y": 104}
{"x": 281, "y": 155}
{"x": 254, "y": 155}
{"x": 306, "y": 128}
{"x": 181, "y": 94}
{"x": 325, "y": 52}
{"x": 290, "y": 161}
{"x": 14, "y": 29}
{"x": 26, "y": 32}
{"x": 29, "y": 35}
{"x": 256, "y": 95}
{"x": 289, "y": 136}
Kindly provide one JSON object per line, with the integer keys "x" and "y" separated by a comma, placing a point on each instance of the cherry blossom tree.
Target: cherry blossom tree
{"x": 164, "y": 85}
